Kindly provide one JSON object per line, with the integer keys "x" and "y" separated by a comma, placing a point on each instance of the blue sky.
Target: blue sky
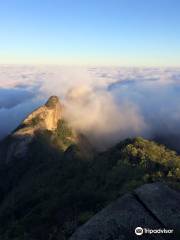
{"x": 90, "y": 32}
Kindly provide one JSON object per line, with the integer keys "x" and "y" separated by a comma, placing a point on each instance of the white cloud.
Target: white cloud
{"x": 115, "y": 102}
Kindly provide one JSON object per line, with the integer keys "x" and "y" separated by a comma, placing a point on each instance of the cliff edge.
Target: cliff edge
{"x": 45, "y": 117}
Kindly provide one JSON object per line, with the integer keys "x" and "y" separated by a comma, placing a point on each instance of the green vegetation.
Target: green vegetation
{"x": 35, "y": 121}
{"x": 54, "y": 191}
{"x": 64, "y": 135}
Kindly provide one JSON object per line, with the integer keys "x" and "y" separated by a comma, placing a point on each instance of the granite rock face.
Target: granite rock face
{"x": 45, "y": 117}
{"x": 163, "y": 202}
{"x": 152, "y": 206}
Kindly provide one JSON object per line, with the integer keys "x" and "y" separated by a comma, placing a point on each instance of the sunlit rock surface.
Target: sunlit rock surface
{"x": 45, "y": 117}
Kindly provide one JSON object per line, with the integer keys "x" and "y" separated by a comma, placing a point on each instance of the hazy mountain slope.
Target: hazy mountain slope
{"x": 61, "y": 182}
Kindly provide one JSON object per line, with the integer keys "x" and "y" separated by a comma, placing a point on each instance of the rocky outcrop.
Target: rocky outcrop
{"x": 152, "y": 206}
{"x": 45, "y": 117}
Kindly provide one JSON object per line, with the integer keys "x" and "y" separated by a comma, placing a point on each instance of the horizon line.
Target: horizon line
{"x": 90, "y": 65}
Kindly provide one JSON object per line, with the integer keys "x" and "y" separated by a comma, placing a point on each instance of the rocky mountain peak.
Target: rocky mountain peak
{"x": 45, "y": 117}
{"x": 52, "y": 102}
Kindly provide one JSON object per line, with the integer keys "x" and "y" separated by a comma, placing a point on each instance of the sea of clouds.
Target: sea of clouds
{"x": 106, "y": 103}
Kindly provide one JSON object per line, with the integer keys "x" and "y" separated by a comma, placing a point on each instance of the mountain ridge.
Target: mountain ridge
{"x": 61, "y": 181}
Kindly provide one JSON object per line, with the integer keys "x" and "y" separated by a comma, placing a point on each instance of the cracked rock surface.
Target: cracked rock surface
{"x": 153, "y": 206}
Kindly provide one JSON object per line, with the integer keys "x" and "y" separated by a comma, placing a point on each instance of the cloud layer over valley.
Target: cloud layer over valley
{"x": 108, "y": 104}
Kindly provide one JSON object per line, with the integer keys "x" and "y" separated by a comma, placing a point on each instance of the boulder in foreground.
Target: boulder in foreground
{"x": 152, "y": 206}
